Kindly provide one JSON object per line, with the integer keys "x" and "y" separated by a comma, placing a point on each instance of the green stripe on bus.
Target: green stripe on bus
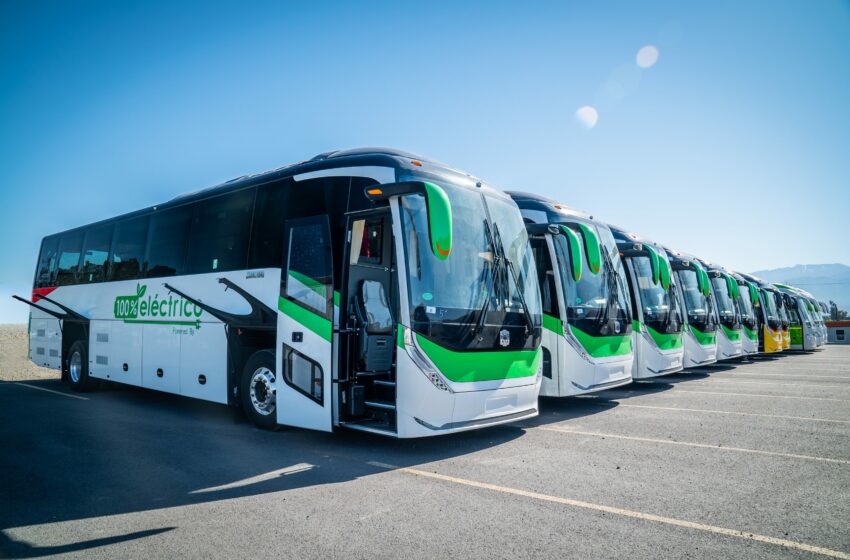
{"x": 603, "y": 346}
{"x": 731, "y": 334}
{"x": 466, "y": 367}
{"x": 553, "y": 324}
{"x": 309, "y": 319}
{"x": 665, "y": 341}
{"x": 704, "y": 338}
{"x": 751, "y": 334}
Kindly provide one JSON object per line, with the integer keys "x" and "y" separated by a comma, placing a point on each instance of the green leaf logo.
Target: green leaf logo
{"x": 140, "y": 290}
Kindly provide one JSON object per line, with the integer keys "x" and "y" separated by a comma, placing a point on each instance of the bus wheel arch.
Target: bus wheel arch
{"x": 76, "y": 370}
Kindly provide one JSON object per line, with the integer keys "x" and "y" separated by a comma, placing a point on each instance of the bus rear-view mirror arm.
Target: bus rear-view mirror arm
{"x": 70, "y": 314}
{"x": 57, "y": 314}
{"x": 437, "y": 205}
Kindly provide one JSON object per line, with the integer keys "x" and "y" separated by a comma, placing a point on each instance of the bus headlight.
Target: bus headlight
{"x": 424, "y": 363}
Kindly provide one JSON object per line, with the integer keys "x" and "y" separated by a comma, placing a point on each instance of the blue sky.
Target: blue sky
{"x": 739, "y": 132}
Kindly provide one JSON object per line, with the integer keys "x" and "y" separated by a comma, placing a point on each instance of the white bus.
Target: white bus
{"x": 697, "y": 303}
{"x": 747, "y": 300}
{"x": 587, "y": 342}
{"x": 370, "y": 289}
{"x": 725, "y": 290}
{"x": 657, "y": 323}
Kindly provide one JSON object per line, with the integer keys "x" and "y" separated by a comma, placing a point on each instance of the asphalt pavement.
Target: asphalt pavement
{"x": 741, "y": 460}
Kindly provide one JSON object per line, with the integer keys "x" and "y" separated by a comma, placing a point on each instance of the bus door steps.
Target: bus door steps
{"x": 384, "y": 383}
{"x": 372, "y": 374}
{"x": 382, "y": 405}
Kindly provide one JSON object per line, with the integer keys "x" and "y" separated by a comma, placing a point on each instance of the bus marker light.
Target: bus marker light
{"x": 375, "y": 191}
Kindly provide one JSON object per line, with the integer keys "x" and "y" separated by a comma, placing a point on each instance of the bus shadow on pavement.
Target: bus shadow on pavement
{"x": 10, "y": 548}
{"x": 129, "y": 450}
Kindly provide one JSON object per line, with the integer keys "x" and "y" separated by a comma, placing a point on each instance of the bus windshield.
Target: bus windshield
{"x": 745, "y": 304}
{"x": 697, "y": 305}
{"x": 770, "y": 312}
{"x": 659, "y": 306}
{"x": 725, "y": 304}
{"x": 484, "y": 296}
{"x": 596, "y": 303}
{"x": 780, "y": 306}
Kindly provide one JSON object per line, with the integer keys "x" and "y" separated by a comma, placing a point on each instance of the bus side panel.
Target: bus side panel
{"x": 125, "y": 347}
{"x": 45, "y": 341}
{"x": 161, "y": 358}
{"x": 203, "y": 363}
{"x": 99, "y": 338}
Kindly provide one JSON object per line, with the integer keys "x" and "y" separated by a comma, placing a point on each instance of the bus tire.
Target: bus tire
{"x": 257, "y": 392}
{"x": 77, "y": 368}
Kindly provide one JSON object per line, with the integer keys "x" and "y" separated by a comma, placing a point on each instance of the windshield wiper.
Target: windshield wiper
{"x": 482, "y": 314}
{"x": 497, "y": 237}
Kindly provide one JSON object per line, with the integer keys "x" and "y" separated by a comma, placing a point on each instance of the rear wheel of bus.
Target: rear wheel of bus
{"x": 77, "y": 368}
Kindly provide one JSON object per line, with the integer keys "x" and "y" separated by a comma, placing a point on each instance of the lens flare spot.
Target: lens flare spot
{"x": 647, "y": 56}
{"x": 587, "y": 116}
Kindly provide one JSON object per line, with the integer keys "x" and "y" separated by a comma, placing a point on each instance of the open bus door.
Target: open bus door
{"x": 305, "y": 326}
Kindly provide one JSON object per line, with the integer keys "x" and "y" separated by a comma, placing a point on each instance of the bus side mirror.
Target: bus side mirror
{"x": 437, "y": 205}
{"x": 575, "y": 251}
{"x": 591, "y": 248}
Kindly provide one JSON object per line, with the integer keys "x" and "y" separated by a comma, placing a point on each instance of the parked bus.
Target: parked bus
{"x": 814, "y": 311}
{"x": 725, "y": 290}
{"x": 770, "y": 325}
{"x": 785, "y": 319}
{"x": 369, "y": 289}
{"x": 697, "y": 304}
{"x": 587, "y": 343}
{"x": 657, "y": 321}
{"x": 747, "y": 300}
{"x": 801, "y": 329}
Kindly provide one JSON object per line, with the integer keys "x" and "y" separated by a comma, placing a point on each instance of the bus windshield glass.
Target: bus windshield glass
{"x": 725, "y": 305}
{"x": 770, "y": 312}
{"x": 596, "y": 303}
{"x": 698, "y": 306}
{"x": 748, "y": 313}
{"x": 485, "y": 293}
{"x": 659, "y": 306}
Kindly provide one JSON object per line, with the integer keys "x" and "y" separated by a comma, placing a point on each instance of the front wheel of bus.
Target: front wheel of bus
{"x": 257, "y": 390}
{"x": 78, "y": 368}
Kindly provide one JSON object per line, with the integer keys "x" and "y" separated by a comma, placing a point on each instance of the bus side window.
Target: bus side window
{"x": 545, "y": 276}
{"x": 219, "y": 238}
{"x": 169, "y": 237}
{"x": 267, "y": 234}
{"x": 47, "y": 263}
{"x": 128, "y": 251}
{"x": 69, "y": 258}
{"x": 309, "y": 272}
{"x": 95, "y": 253}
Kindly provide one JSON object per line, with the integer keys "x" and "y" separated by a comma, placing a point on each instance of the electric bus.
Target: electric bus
{"x": 697, "y": 304}
{"x": 747, "y": 300}
{"x": 801, "y": 328}
{"x": 812, "y": 307}
{"x": 657, "y": 323}
{"x": 587, "y": 343}
{"x": 725, "y": 291}
{"x": 770, "y": 325}
{"x": 785, "y": 319}
{"x": 369, "y": 289}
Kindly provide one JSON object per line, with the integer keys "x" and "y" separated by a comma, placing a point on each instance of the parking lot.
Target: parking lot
{"x": 746, "y": 460}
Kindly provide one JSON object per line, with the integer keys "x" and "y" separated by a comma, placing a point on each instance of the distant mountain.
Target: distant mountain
{"x": 825, "y": 281}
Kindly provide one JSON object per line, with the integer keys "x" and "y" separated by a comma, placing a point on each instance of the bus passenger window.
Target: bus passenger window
{"x": 47, "y": 263}
{"x": 69, "y": 258}
{"x": 129, "y": 251}
{"x": 95, "y": 253}
{"x": 169, "y": 236}
{"x": 219, "y": 239}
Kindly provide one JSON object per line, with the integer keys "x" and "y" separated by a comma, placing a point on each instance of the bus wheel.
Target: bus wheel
{"x": 78, "y": 368}
{"x": 257, "y": 390}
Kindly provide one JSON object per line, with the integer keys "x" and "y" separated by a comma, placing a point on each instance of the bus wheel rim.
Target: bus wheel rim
{"x": 262, "y": 391}
{"x": 75, "y": 367}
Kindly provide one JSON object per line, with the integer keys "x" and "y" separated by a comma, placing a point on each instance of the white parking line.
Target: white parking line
{"x": 747, "y": 373}
{"x": 793, "y": 545}
{"x": 726, "y": 412}
{"x": 48, "y": 390}
{"x": 677, "y": 390}
{"x": 692, "y": 444}
{"x": 300, "y": 467}
{"x": 772, "y": 384}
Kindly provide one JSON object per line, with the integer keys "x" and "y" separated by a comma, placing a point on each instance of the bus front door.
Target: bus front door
{"x": 367, "y": 380}
{"x": 305, "y": 326}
